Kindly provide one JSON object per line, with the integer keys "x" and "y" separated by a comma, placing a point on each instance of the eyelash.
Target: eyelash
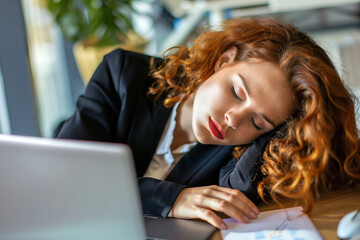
{"x": 235, "y": 95}
{"x": 253, "y": 123}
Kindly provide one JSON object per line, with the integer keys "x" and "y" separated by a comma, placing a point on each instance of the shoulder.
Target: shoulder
{"x": 129, "y": 68}
{"x": 134, "y": 60}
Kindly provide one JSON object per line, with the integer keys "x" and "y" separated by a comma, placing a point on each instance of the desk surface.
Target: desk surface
{"x": 327, "y": 211}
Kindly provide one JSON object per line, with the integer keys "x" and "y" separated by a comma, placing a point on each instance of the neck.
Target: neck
{"x": 183, "y": 132}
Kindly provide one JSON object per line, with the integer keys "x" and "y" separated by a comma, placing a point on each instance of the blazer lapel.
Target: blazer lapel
{"x": 196, "y": 159}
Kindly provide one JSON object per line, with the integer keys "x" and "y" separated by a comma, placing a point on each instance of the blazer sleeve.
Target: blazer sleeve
{"x": 244, "y": 174}
{"x": 158, "y": 197}
{"x": 96, "y": 110}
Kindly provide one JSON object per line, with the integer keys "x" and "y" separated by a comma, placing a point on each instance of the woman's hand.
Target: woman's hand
{"x": 202, "y": 202}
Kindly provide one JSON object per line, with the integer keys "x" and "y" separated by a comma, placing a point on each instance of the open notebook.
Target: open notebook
{"x": 281, "y": 224}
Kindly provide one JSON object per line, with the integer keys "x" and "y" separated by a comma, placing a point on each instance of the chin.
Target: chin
{"x": 204, "y": 136}
{"x": 209, "y": 140}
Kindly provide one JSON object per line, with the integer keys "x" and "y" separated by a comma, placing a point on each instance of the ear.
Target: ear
{"x": 226, "y": 58}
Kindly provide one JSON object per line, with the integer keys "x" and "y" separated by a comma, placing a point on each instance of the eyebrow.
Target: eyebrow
{"x": 243, "y": 81}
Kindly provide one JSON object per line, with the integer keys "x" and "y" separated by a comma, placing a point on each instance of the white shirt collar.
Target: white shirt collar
{"x": 168, "y": 138}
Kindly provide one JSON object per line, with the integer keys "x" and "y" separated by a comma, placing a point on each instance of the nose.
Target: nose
{"x": 234, "y": 118}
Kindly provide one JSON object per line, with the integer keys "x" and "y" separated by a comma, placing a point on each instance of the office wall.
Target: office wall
{"x": 16, "y": 73}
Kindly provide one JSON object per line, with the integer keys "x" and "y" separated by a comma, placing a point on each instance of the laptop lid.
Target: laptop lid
{"x": 66, "y": 189}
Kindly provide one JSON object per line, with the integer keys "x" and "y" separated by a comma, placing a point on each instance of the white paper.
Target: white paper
{"x": 274, "y": 224}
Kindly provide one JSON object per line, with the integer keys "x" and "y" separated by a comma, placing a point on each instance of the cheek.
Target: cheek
{"x": 212, "y": 97}
{"x": 204, "y": 94}
{"x": 243, "y": 135}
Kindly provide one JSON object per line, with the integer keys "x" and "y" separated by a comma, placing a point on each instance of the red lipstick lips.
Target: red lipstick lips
{"x": 216, "y": 129}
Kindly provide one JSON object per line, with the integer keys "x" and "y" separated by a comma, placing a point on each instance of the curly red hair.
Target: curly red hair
{"x": 319, "y": 148}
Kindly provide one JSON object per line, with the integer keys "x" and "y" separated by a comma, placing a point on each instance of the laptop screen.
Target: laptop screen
{"x": 67, "y": 189}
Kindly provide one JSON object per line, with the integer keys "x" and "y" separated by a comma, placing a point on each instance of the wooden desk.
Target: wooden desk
{"x": 327, "y": 211}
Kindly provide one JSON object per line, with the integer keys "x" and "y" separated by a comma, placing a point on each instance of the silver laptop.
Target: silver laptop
{"x": 65, "y": 189}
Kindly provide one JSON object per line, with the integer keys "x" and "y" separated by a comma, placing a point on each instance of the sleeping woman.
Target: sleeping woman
{"x": 252, "y": 111}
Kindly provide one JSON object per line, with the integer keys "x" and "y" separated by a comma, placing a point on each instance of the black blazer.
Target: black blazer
{"x": 115, "y": 108}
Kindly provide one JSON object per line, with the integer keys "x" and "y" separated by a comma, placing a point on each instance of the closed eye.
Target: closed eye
{"x": 254, "y": 124}
{"x": 235, "y": 94}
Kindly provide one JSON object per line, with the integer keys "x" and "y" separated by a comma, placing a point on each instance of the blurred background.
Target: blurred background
{"x": 50, "y": 48}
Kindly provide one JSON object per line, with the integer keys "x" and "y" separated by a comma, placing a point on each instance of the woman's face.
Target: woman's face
{"x": 240, "y": 102}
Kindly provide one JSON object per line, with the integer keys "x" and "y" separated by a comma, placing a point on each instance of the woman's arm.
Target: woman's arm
{"x": 96, "y": 110}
